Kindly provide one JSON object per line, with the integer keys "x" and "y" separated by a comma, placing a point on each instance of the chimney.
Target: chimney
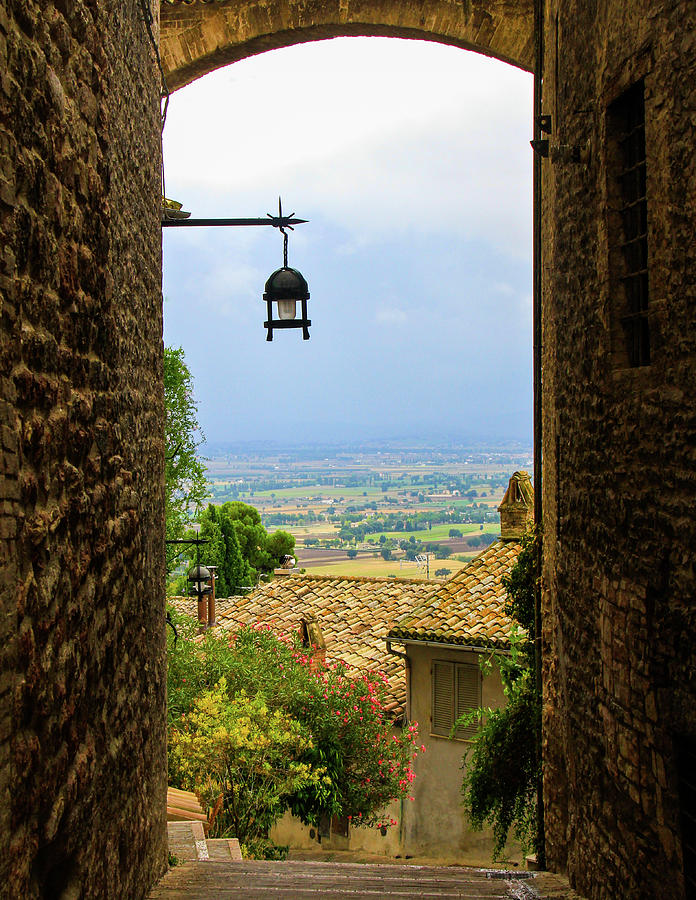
{"x": 313, "y": 639}
{"x": 517, "y": 509}
{"x": 211, "y": 597}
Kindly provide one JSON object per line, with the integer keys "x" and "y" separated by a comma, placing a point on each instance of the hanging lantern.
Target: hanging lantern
{"x": 199, "y": 580}
{"x": 287, "y": 287}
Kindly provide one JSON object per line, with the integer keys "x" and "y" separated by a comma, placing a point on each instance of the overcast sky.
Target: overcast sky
{"x": 412, "y": 162}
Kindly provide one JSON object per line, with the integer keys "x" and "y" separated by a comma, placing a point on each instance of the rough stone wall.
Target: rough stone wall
{"x": 82, "y": 683}
{"x": 619, "y": 461}
{"x": 200, "y": 37}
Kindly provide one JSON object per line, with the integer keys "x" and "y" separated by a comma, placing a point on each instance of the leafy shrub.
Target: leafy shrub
{"x": 242, "y": 759}
{"x": 502, "y": 767}
{"x": 262, "y": 848}
{"x": 248, "y": 706}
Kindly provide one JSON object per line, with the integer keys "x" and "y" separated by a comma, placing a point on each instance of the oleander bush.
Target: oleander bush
{"x": 257, "y": 727}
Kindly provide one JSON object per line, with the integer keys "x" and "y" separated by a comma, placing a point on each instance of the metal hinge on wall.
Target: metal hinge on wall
{"x": 543, "y": 123}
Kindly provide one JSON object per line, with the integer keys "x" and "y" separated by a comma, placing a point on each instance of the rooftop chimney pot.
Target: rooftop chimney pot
{"x": 517, "y": 508}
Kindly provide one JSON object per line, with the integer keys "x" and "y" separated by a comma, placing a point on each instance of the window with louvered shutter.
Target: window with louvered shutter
{"x": 456, "y": 689}
{"x": 468, "y": 697}
{"x": 443, "y": 698}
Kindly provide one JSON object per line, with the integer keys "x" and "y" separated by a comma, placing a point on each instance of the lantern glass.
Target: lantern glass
{"x": 287, "y": 309}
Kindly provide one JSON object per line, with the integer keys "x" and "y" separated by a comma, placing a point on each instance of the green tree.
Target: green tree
{"x": 351, "y": 554}
{"x": 223, "y": 551}
{"x": 501, "y": 770}
{"x": 186, "y": 486}
{"x": 260, "y": 552}
{"x": 278, "y": 545}
{"x": 346, "y": 533}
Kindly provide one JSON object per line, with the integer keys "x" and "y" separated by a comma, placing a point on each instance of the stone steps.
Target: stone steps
{"x": 224, "y": 849}
{"x": 214, "y": 869}
{"x": 256, "y": 880}
{"x": 187, "y": 841}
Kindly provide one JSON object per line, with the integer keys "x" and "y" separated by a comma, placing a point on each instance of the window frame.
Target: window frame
{"x": 456, "y": 673}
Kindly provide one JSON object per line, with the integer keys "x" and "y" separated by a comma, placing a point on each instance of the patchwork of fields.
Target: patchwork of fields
{"x": 393, "y": 501}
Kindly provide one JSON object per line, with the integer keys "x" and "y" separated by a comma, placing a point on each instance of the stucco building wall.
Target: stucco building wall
{"x": 289, "y": 831}
{"x": 82, "y": 690}
{"x": 619, "y": 486}
{"x": 435, "y": 824}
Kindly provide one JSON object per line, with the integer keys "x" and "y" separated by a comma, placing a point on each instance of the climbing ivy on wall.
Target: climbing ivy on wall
{"x": 501, "y": 769}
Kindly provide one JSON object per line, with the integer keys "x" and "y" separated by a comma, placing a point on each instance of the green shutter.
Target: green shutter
{"x": 468, "y": 697}
{"x": 443, "y": 697}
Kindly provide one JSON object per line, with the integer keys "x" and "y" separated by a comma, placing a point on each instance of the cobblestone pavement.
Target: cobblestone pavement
{"x": 302, "y": 880}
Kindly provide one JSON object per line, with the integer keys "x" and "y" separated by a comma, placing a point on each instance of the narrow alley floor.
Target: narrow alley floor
{"x": 304, "y": 880}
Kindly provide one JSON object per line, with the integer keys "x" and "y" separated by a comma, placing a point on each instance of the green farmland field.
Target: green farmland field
{"x": 437, "y": 532}
{"x": 364, "y": 566}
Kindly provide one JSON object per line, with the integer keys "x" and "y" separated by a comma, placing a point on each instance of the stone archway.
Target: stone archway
{"x": 200, "y": 36}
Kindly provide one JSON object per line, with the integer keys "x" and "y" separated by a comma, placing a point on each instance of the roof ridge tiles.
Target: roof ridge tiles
{"x": 359, "y": 578}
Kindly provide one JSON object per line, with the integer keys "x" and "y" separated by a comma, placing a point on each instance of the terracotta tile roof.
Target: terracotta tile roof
{"x": 355, "y": 615}
{"x": 468, "y": 609}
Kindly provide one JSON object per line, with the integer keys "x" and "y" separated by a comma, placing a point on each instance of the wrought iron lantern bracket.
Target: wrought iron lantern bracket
{"x": 286, "y": 286}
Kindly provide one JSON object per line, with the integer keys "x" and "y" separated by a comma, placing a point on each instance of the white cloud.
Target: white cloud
{"x": 228, "y": 287}
{"x": 505, "y": 290}
{"x": 411, "y": 161}
{"x": 391, "y": 315}
{"x": 380, "y": 134}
